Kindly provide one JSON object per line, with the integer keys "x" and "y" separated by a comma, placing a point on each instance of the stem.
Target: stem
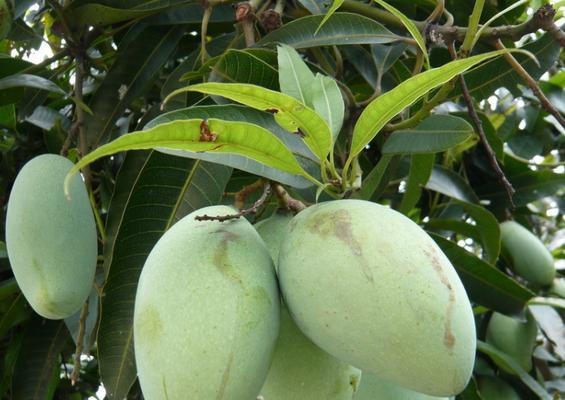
{"x": 474, "y": 20}
{"x": 285, "y": 200}
{"x": 97, "y": 217}
{"x": 252, "y": 210}
{"x": 239, "y": 197}
{"x": 546, "y": 104}
{"x": 80, "y": 342}
{"x": 479, "y": 128}
{"x": 203, "y": 33}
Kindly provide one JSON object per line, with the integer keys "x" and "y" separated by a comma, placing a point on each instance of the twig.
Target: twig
{"x": 239, "y": 197}
{"x": 533, "y": 85}
{"x": 245, "y": 13}
{"x": 37, "y": 67}
{"x": 204, "y": 31}
{"x": 479, "y": 128}
{"x": 252, "y": 210}
{"x": 80, "y": 342}
{"x": 545, "y": 17}
{"x": 286, "y": 202}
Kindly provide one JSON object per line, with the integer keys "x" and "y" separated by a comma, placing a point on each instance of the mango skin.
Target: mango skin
{"x": 515, "y": 338}
{"x": 492, "y": 388}
{"x": 51, "y": 240}
{"x": 206, "y": 315}
{"x": 370, "y": 287}
{"x": 527, "y": 254}
{"x": 373, "y": 388}
{"x": 300, "y": 369}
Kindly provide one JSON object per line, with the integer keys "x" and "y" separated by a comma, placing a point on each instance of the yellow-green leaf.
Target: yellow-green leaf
{"x": 335, "y": 5}
{"x": 289, "y": 113}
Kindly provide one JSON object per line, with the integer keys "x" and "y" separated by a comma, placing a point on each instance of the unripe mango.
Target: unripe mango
{"x": 373, "y": 388}
{"x": 558, "y": 287}
{"x": 370, "y": 287}
{"x": 527, "y": 254}
{"x": 206, "y": 313}
{"x": 513, "y": 337}
{"x": 51, "y": 240}
{"x": 492, "y": 388}
{"x": 300, "y": 369}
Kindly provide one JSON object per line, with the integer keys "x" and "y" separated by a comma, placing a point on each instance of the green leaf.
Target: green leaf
{"x": 485, "y": 284}
{"x": 295, "y": 78}
{"x": 17, "y": 312}
{"x": 484, "y": 80}
{"x": 341, "y": 29}
{"x": 8, "y": 116}
{"x": 434, "y": 134}
{"x": 135, "y": 68}
{"x": 377, "y": 179}
{"x": 233, "y": 112}
{"x": 153, "y": 191}
{"x": 291, "y": 114}
{"x": 335, "y": 5}
{"x": 230, "y": 137}
{"x": 451, "y": 184}
{"x": 36, "y": 372}
{"x": 410, "y": 26}
{"x": 315, "y": 6}
{"x": 328, "y": 102}
{"x": 385, "y": 107}
{"x": 420, "y": 170}
{"x": 30, "y": 81}
{"x": 254, "y": 66}
{"x": 508, "y": 363}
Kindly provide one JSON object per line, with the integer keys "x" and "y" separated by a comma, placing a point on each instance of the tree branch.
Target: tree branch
{"x": 479, "y": 128}
{"x": 80, "y": 342}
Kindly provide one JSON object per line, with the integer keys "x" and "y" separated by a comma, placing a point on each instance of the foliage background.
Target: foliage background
{"x": 114, "y": 62}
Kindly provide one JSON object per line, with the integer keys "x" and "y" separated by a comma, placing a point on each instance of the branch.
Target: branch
{"x": 252, "y": 210}
{"x": 80, "y": 341}
{"x": 479, "y": 128}
{"x": 446, "y": 32}
{"x": 533, "y": 85}
{"x": 286, "y": 202}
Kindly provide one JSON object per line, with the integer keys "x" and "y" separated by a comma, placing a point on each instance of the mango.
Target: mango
{"x": 513, "y": 337}
{"x": 558, "y": 287}
{"x": 206, "y": 315}
{"x": 51, "y": 240}
{"x": 300, "y": 369}
{"x": 492, "y": 388}
{"x": 373, "y": 388}
{"x": 526, "y": 254}
{"x": 370, "y": 287}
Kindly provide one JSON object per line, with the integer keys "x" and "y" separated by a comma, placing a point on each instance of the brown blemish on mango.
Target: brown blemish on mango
{"x": 448, "y": 338}
{"x": 221, "y": 259}
{"x": 150, "y": 323}
{"x": 339, "y": 225}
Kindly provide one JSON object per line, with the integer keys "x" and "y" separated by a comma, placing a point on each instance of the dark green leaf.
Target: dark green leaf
{"x": 434, "y": 134}
{"x": 420, "y": 170}
{"x": 17, "y": 312}
{"x": 37, "y": 368}
{"x": 136, "y": 67}
{"x": 341, "y": 29}
{"x": 31, "y": 81}
{"x": 451, "y": 184}
{"x": 255, "y": 66}
{"x": 485, "y": 284}
{"x": 376, "y": 181}
{"x": 153, "y": 191}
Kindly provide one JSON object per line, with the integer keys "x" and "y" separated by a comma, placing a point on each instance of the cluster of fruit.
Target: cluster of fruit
{"x": 371, "y": 307}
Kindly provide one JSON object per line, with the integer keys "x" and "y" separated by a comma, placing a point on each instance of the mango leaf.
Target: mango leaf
{"x": 328, "y": 102}
{"x": 484, "y": 80}
{"x": 385, "y": 56}
{"x": 30, "y": 81}
{"x": 191, "y": 14}
{"x": 295, "y": 78}
{"x": 291, "y": 114}
{"x": 502, "y": 359}
{"x": 17, "y": 312}
{"x": 335, "y": 5}
{"x": 135, "y": 68}
{"x": 385, "y": 107}
{"x": 410, "y": 26}
{"x": 485, "y": 284}
{"x": 153, "y": 190}
{"x": 230, "y": 137}
{"x": 451, "y": 184}
{"x": 233, "y": 112}
{"x": 36, "y": 372}
{"x": 254, "y": 66}
{"x": 420, "y": 170}
{"x": 341, "y": 29}
{"x": 434, "y": 134}
{"x": 375, "y": 183}
{"x": 315, "y": 6}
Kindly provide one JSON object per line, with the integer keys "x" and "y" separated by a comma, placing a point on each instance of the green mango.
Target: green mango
{"x": 373, "y": 388}
{"x": 300, "y": 369}
{"x": 370, "y": 287}
{"x": 51, "y": 240}
{"x": 558, "y": 287}
{"x": 492, "y": 388}
{"x": 513, "y": 337}
{"x": 206, "y": 315}
{"x": 526, "y": 254}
